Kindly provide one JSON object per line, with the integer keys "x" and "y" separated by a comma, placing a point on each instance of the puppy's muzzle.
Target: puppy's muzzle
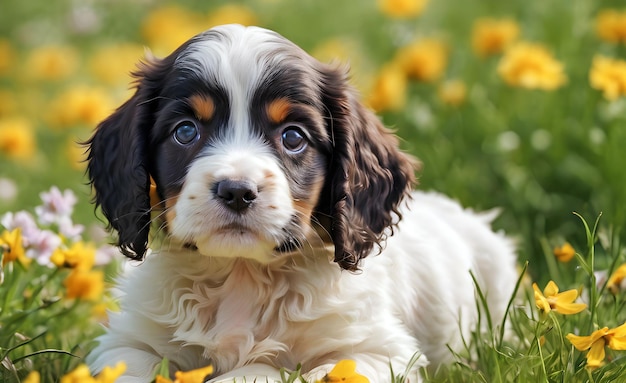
{"x": 238, "y": 195}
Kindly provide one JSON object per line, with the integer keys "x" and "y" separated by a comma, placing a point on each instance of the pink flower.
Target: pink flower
{"x": 56, "y": 205}
{"x": 23, "y": 220}
{"x": 42, "y": 247}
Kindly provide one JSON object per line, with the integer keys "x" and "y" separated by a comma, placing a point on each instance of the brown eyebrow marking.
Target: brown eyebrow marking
{"x": 203, "y": 106}
{"x": 278, "y": 110}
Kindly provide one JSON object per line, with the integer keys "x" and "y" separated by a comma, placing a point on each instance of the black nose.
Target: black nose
{"x": 236, "y": 194}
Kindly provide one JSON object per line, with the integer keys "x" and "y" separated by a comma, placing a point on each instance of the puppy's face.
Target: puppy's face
{"x": 239, "y": 146}
{"x": 255, "y": 149}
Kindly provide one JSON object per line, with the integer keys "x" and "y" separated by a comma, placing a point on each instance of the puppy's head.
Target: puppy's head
{"x": 254, "y": 147}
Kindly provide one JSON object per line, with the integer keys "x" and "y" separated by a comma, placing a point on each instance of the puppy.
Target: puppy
{"x": 274, "y": 191}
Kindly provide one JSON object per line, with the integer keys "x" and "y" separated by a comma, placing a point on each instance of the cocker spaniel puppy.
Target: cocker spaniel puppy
{"x": 273, "y": 192}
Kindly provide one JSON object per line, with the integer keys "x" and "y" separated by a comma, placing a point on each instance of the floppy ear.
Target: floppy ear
{"x": 368, "y": 175}
{"x": 118, "y": 164}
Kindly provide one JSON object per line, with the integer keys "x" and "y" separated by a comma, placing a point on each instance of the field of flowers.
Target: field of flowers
{"x": 514, "y": 104}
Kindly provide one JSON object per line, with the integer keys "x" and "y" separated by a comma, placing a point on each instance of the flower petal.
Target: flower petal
{"x": 551, "y": 289}
{"x": 596, "y": 354}
{"x": 583, "y": 343}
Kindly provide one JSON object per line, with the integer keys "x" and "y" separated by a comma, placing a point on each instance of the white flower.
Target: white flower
{"x": 23, "y": 220}
{"x": 43, "y": 246}
{"x": 8, "y": 190}
{"x": 56, "y": 206}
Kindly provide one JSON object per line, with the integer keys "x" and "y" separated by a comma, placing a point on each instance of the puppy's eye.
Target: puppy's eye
{"x": 293, "y": 139}
{"x": 185, "y": 132}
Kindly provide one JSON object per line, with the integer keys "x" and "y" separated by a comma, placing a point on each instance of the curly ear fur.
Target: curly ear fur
{"x": 368, "y": 174}
{"x": 118, "y": 165}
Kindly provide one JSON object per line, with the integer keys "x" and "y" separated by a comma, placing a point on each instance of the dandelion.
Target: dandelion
{"x": 80, "y": 105}
{"x": 113, "y": 72}
{"x": 51, "y": 62}
{"x": 8, "y": 103}
{"x": 452, "y": 92}
{"x": 402, "y": 9}
{"x": 609, "y": 76}
{"x": 344, "y": 371}
{"x": 614, "y": 338}
{"x": 7, "y": 57}
{"x": 12, "y": 247}
{"x": 17, "y": 138}
{"x": 616, "y": 280}
{"x": 551, "y": 299}
{"x": 531, "y": 66}
{"x": 492, "y": 36}
{"x": 611, "y": 26}
{"x": 389, "y": 89}
{"x": 194, "y": 376}
{"x": 85, "y": 285}
{"x": 423, "y": 60}
{"x": 564, "y": 253}
{"x": 232, "y": 14}
{"x": 167, "y": 27}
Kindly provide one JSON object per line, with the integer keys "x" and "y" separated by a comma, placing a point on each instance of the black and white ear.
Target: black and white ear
{"x": 118, "y": 164}
{"x": 368, "y": 174}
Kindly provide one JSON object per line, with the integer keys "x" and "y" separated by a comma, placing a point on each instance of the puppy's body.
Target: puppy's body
{"x": 268, "y": 168}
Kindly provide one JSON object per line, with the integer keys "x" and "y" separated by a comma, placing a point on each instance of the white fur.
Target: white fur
{"x": 197, "y": 310}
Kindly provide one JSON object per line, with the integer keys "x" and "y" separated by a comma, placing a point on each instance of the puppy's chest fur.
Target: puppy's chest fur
{"x": 239, "y": 312}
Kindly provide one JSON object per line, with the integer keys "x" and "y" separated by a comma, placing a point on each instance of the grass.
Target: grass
{"x": 539, "y": 155}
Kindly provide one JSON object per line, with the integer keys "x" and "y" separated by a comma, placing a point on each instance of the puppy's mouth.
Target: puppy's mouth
{"x": 236, "y": 229}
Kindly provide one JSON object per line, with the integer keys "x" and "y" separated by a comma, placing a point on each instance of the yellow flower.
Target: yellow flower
{"x": 110, "y": 374}
{"x": 7, "y": 57}
{"x": 492, "y": 36}
{"x": 232, "y": 14}
{"x": 344, "y": 371}
{"x": 452, "y": 92}
{"x": 79, "y": 256}
{"x": 531, "y": 66}
{"x": 614, "y": 338}
{"x": 80, "y": 374}
{"x": 609, "y": 76}
{"x": 167, "y": 27}
{"x": 611, "y": 26}
{"x": 194, "y": 376}
{"x": 51, "y": 62}
{"x": 17, "y": 138}
{"x": 551, "y": 299}
{"x": 424, "y": 59}
{"x": 389, "y": 89}
{"x": 32, "y": 377}
{"x": 86, "y": 285}
{"x": 12, "y": 247}
{"x": 402, "y": 9}
{"x": 564, "y": 253}
{"x": 80, "y": 105}
{"x": 114, "y": 72}
{"x": 8, "y": 104}
{"x": 615, "y": 280}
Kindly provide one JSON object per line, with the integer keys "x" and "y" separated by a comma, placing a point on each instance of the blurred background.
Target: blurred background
{"x": 517, "y": 104}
